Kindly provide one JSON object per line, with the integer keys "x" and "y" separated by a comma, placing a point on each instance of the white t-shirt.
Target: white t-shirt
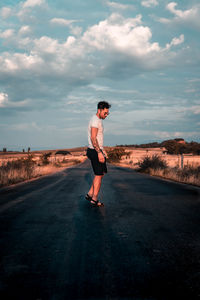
{"x": 97, "y": 123}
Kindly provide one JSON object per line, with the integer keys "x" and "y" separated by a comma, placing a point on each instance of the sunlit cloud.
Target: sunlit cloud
{"x": 149, "y": 3}
{"x": 119, "y": 6}
{"x": 5, "y": 12}
{"x": 33, "y": 3}
{"x": 3, "y": 99}
{"x": 62, "y": 22}
{"x": 189, "y": 17}
{"x": 175, "y": 41}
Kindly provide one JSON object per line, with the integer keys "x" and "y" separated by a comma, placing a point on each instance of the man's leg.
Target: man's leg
{"x": 95, "y": 187}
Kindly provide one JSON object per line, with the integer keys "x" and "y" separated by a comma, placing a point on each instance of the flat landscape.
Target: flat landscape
{"x": 24, "y": 166}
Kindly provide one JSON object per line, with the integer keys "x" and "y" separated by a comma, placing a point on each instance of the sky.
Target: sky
{"x": 59, "y": 58}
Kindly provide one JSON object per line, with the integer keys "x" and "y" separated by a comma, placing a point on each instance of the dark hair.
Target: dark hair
{"x": 103, "y": 104}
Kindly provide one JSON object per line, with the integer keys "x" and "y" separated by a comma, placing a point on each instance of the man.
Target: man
{"x": 95, "y": 151}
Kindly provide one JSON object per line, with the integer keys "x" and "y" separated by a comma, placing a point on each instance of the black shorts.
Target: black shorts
{"x": 98, "y": 167}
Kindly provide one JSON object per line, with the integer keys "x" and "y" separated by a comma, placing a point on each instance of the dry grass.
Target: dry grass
{"x": 15, "y": 171}
{"x": 187, "y": 175}
{"x": 155, "y": 163}
{"x": 134, "y": 156}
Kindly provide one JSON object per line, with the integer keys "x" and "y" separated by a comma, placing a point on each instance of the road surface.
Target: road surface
{"x": 144, "y": 244}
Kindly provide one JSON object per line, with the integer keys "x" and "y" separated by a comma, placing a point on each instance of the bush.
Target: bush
{"x": 16, "y": 171}
{"x": 115, "y": 154}
{"x": 155, "y": 162}
{"x": 45, "y": 158}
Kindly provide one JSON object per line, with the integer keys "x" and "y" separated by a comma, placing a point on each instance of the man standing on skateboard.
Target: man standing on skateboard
{"x": 95, "y": 151}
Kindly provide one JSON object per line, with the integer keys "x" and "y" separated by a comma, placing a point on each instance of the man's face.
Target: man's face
{"x": 104, "y": 113}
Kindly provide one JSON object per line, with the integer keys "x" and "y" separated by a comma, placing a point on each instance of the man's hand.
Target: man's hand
{"x": 105, "y": 154}
{"x": 101, "y": 157}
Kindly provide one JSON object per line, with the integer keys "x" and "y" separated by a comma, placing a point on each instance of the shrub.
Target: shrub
{"x": 155, "y": 162}
{"x": 16, "y": 171}
{"x": 115, "y": 154}
{"x": 45, "y": 158}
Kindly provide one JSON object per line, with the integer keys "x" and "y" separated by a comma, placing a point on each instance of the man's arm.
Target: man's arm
{"x": 95, "y": 144}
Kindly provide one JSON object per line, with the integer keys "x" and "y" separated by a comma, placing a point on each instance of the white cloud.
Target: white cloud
{"x": 123, "y": 35}
{"x": 7, "y": 34}
{"x": 116, "y": 46}
{"x": 24, "y": 30}
{"x": 189, "y": 17}
{"x": 119, "y": 6}
{"x": 75, "y": 30}
{"x": 3, "y": 99}
{"x": 176, "y": 41}
{"x": 115, "y": 35}
{"x": 99, "y": 88}
{"x": 18, "y": 62}
{"x": 32, "y": 3}
{"x": 6, "y": 12}
{"x": 179, "y": 13}
{"x": 62, "y": 22}
{"x": 149, "y": 3}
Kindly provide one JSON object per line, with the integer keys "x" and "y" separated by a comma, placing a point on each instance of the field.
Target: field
{"x": 17, "y": 166}
{"x": 181, "y": 168}
{"x": 135, "y": 155}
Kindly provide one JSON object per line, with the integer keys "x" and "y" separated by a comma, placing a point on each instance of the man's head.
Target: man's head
{"x": 103, "y": 109}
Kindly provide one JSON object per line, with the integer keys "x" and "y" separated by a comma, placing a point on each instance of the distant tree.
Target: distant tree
{"x": 29, "y": 149}
{"x": 171, "y": 146}
{"x": 194, "y": 148}
{"x": 175, "y": 146}
{"x": 4, "y": 150}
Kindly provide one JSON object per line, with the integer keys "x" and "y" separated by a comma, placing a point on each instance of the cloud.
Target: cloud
{"x": 119, "y": 6}
{"x": 176, "y": 41}
{"x": 25, "y": 30}
{"x": 189, "y": 18}
{"x": 3, "y": 99}
{"x": 8, "y": 33}
{"x": 122, "y": 35}
{"x": 31, "y": 11}
{"x": 62, "y": 22}
{"x": 33, "y": 3}
{"x": 194, "y": 109}
{"x": 5, "y": 12}
{"x": 149, "y": 3}
{"x": 116, "y": 46}
{"x": 75, "y": 30}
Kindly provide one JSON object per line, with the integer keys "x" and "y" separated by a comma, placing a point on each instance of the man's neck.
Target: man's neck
{"x": 97, "y": 114}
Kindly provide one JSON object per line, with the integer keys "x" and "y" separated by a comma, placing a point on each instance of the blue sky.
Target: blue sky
{"x": 59, "y": 58}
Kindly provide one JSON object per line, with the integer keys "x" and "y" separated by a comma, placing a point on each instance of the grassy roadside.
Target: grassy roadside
{"x": 25, "y": 169}
{"x": 156, "y": 166}
{"x": 186, "y": 175}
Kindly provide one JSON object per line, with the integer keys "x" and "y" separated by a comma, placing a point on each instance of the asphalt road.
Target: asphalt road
{"x": 144, "y": 244}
